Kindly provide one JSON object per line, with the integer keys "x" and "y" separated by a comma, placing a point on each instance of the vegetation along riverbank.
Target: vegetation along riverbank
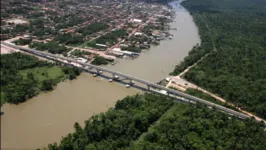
{"x": 233, "y": 34}
{"x": 151, "y": 121}
{"x": 24, "y": 76}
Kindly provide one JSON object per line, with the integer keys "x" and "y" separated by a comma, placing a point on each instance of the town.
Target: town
{"x": 133, "y": 74}
{"x": 95, "y": 32}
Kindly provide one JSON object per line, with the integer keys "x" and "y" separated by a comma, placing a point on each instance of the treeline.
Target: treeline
{"x": 22, "y": 41}
{"x": 151, "y": 121}
{"x": 194, "y": 55}
{"x": 72, "y": 73}
{"x": 119, "y": 126}
{"x": 109, "y": 38}
{"x": 79, "y": 53}
{"x": 16, "y": 88}
{"x": 24, "y": 76}
{"x": 99, "y": 60}
{"x": 92, "y": 28}
{"x": 234, "y": 33}
{"x": 197, "y": 127}
{"x": 69, "y": 39}
{"x": 51, "y": 47}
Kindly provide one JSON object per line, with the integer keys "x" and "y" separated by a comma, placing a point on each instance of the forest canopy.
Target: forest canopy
{"x": 24, "y": 76}
{"x": 151, "y": 121}
{"x": 233, "y": 33}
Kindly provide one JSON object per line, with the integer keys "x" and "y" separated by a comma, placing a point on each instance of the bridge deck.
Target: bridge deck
{"x": 169, "y": 91}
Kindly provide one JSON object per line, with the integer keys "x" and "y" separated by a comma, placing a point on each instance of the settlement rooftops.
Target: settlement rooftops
{"x": 138, "y": 33}
{"x": 116, "y": 49}
{"x": 137, "y": 20}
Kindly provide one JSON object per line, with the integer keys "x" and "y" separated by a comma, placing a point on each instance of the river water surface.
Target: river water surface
{"x": 156, "y": 63}
{"x": 46, "y": 118}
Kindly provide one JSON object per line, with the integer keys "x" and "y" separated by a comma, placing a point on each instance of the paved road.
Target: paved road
{"x": 149, "y": 84}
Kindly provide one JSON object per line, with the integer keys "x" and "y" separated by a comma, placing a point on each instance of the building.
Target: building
{"x": 101, "y": 45}
{"x": 138, "y": 34}
{"x": 137, "y": 20}
{"x": 83, "y": 60}
{"x": 116, "y": 49}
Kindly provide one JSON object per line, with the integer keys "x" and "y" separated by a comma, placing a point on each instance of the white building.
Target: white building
{"x": 101, "y": 45}
{"x": 137, "y": 20}
{"x": 138, "y": 34}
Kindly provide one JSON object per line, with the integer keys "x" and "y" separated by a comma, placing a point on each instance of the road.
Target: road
{"x": 98, "y": 52}
{"x": 147, "y": 83}
{"x": 182, "y": 84}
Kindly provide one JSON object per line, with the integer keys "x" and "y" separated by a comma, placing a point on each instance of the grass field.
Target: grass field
{"x": 53, "y": 73}
{"x": 44, "y": 73}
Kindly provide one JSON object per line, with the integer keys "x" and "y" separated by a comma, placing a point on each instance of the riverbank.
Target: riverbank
{"x": 236, "y": 83}
{"x": 49, "y": 116}
{"x": 24, "y": 76}
{"x": 156, "y": 63}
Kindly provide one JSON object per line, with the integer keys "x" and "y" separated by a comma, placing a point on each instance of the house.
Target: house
{"x": 101, "y": 45}
{"x": 138, "y": 34}
{"x": 137, "y": 20}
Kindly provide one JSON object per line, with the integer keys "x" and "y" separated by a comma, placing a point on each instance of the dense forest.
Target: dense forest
{"x": 233, "y": 33}
{"x": 151, "y": 121}
{"x": 118, "y": 127}
{"x": 24, "y": 76}
{"x": 51, "y": 47}
{"x": 186, "y": 127}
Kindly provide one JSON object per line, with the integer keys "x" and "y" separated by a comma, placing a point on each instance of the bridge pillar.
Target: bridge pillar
{"x": 131, "y": 82}
{"x": 148, "y": 87}
{"x": 99, "y": 71}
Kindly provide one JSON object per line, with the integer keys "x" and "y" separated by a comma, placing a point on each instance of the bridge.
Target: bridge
{"x": 170, "y": 92}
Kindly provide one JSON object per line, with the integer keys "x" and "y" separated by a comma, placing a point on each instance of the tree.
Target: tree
{"x": 47, "y": 85}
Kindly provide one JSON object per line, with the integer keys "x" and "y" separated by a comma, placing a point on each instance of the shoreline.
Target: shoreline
{"x": 72, "y": 101}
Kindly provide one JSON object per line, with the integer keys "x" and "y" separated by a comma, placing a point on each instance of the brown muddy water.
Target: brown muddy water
{"x": 49, "y": 116}
{"x": 156, "y": 63}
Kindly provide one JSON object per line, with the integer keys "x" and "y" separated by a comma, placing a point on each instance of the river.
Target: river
{"x": 156, "y": 63}
{"x": 46, "y": 118}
